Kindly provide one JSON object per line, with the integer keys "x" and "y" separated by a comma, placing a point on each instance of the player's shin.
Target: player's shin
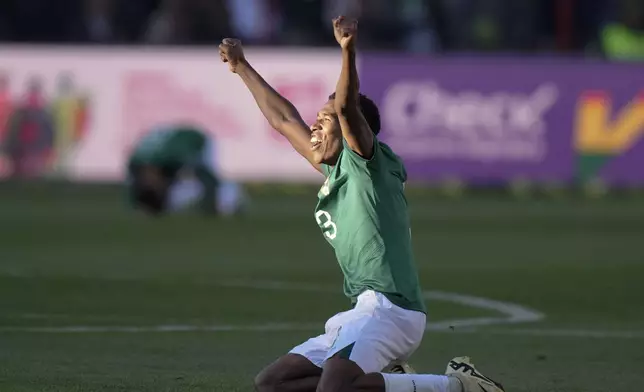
{"x": 420, "y": 383}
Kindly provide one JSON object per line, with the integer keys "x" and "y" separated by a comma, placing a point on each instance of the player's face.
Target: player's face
{"x": 326, "y": 136}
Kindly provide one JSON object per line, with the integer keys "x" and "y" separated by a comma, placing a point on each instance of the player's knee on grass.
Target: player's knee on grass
{"x": 289, "y": 368}
{"x": 343, "y": 375}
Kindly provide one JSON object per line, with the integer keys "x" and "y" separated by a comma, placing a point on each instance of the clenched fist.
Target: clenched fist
{"x": 345, "y": 31}
{"x": 231, "y": 52}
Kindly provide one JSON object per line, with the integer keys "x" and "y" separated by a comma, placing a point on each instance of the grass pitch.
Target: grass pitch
{"x": 95, "y": 298}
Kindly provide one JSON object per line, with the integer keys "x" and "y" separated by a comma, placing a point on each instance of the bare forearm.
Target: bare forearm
{"x": 348, "y": 86}
{"x": 355, "y": 128}
{"x": 279, "y": 112}
{"x": 274, "y": 107}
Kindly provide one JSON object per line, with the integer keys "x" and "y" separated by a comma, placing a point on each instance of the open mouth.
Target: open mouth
{"x": 315, "y": 143}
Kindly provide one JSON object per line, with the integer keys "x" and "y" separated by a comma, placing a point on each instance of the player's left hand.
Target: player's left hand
{"x": 345, "y": 31}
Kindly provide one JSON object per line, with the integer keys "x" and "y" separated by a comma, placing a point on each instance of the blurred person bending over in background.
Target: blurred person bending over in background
{"x": 362, "y": 213}
{"x": 173, "y": 169}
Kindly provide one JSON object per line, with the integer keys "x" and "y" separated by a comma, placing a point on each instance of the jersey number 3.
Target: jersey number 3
{"x": 329, "y": 228}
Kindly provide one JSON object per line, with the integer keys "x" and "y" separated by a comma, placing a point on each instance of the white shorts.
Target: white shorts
{"x": 375, "y": 333}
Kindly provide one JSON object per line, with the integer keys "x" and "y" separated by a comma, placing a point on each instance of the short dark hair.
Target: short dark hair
{"x": 369, "y": 111}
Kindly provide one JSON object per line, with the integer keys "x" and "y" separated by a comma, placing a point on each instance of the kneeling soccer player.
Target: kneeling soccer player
{"x": 172, "y": 169}
{"x": 362, "y": 213}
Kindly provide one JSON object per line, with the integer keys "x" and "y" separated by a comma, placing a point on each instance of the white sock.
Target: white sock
{"x": 421, "y": 383}
{"x": 230, "y": 197}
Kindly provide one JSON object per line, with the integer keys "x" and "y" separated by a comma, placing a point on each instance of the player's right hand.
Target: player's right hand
{"x": 345, "y": 31}
{"x": 231, "y": 52}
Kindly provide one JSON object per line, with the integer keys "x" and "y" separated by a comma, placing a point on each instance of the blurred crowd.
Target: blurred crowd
{"x": 593, "y": 26}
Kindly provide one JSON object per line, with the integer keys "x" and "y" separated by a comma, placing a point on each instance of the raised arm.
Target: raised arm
{"x": 279, "y": 112}
{"x": 355, "y": 128}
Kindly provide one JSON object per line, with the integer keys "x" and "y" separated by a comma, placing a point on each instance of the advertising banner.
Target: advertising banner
{"x": 485, "y": 120}
{"x": 76, "y": 113}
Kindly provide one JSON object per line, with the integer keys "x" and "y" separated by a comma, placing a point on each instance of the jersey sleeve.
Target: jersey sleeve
{"x": 383, "y": 162}
{"x": 352, "y": 158}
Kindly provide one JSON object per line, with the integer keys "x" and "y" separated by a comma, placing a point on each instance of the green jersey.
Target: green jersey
{"x": 362, "y": 212}
{"x": 172, "y": 148}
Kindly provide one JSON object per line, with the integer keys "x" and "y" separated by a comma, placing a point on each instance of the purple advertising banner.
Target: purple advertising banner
{"x": 485, "y": 120}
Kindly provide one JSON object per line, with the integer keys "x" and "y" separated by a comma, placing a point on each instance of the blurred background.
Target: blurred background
{"x": 424, "y": 26}
{"x": 520, "y": 123}
{"x": 471, "y": 91}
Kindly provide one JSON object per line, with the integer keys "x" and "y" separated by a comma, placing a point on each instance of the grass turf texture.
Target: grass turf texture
{"x": 73, "y": 256}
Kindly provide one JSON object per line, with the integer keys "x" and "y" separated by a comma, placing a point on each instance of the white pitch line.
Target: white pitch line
{"x": 294, "y": 327}
{"x": 512, "y": 313}
{"x": 569, "y": 333}
{"x": 287, "y": 327}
